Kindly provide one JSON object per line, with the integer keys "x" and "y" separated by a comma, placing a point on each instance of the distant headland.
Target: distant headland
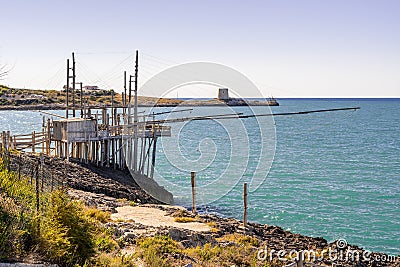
{"x": 92, "y": 96}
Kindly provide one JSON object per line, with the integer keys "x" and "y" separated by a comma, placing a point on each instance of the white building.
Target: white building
{"x": 91, "y": 88}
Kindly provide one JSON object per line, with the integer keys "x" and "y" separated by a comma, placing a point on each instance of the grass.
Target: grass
{"x": 98, "y": 215}
{"x": 163, "y": 251}
{"x": 155, "y": 250}
{"x": 240, "y": 239}
{"x": 215, "y": 255}
{"x": 184, "y": 219}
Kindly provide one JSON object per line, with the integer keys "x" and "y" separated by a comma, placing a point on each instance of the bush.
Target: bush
{"x": 67, "y": 235}
{"x": 154, "y": 250}
{"x": 64, "y": 231}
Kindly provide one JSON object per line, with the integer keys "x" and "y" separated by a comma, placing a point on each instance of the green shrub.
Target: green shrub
{"x": 154, "y": 250}
{"x": 67, "y": 235}
{"x": 104, "y": 241}
{"x": 64, "y": 231}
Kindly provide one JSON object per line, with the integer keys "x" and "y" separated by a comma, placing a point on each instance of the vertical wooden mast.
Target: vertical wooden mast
{"x": 135, "y": 115}
{"x": 73, "y": 84}
{"x": 67, "y": 91}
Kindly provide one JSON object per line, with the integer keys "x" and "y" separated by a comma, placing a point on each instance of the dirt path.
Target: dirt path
{"x": 155, "y": 217}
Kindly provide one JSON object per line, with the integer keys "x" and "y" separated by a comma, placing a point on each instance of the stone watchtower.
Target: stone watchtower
{"x": 223, "y": 94}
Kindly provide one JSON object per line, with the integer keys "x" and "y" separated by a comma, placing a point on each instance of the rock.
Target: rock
{"x": 129, "y": 235}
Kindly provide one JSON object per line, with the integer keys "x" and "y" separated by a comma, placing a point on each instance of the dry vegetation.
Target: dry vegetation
{"x": 55, "y": 98}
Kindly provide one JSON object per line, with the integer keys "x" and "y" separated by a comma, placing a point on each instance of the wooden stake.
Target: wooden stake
{"x": 300, "y": 261}
{"x": 245, "y": 204}
{"x": 193, "y": 180}
{"x": 8, "y": 141}
{"x": 33, "y": 142}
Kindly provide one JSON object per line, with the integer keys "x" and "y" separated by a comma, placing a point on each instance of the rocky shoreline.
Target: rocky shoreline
{"x": 134, "y": 215}
{"x": 150, "y": 103}
{"x": 269, "y": 239}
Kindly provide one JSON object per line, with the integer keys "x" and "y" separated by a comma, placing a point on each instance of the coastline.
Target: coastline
{"x": 150, "y": 102}
{"x": 134, "y": 217}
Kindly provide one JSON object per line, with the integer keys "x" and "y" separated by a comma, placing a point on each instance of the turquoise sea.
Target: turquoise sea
{"x": 335, "y": 175}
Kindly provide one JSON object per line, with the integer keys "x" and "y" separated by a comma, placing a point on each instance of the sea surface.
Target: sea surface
{"x": 333, "y": 174}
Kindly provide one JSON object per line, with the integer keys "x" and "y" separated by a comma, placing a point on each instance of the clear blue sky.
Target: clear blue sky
{"x": 288, "y": 48}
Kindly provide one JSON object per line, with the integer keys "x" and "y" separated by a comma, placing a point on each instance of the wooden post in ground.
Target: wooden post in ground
{"x": 37, "y": 186}
{"x": 300, "y": 260}
{"x": 37, "y": 198}
{"x": 245, "y": 205}
{"x": 13, "y": 143}
{"x": 193, "y": 180}
{"x": 8, "y": 141}
{"x": 33, "y": 141}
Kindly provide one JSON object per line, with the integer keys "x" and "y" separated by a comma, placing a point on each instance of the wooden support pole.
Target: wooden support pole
{"x": 67, "y": 91}
{"x": 245, "y": 205}
{"x": 135, "y": 115}
{"x": 48, "y": 139}
{"x": 141, "y": 156}
{"x": 113, "y": 153}
{"x": 67, "y": 150}
{"x": 81, "y": 98}
{"x": 124, "y": 93}
{"x": 153, "y": 157}
{"x": 121, "y": 154}
{"x": 193, "y": 180}
{"x": 130, "y": 90}
{"x": 73, "y": 84}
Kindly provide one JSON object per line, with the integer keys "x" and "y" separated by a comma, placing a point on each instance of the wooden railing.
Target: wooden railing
{"x": 25, "y": 141}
